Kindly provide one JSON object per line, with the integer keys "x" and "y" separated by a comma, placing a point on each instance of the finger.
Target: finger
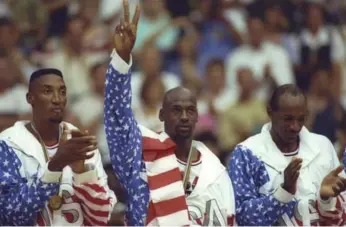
{"x": 135, "y": 18}
{"x": 76, "y": 133}
{"x": 295, "y": 176}
{"x": 126, "y": 11}
{"x": 82, "y": 139}
{"x": 337, "y": 170}
{"x": 336, "y": 189}
{"x": 341, "y": 185}
{"x": 87, "y": 149}
{"x": 88, "y": 156}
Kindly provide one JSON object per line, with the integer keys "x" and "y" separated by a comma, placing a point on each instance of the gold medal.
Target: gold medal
{"x": 55, "y": 202}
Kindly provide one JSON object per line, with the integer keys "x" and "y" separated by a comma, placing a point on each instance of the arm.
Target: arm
{"x": 123, "y": 135}
{"x": 92, "y": 192}
{"x": 22, "y": 199}
{"x": 249, "y": 175}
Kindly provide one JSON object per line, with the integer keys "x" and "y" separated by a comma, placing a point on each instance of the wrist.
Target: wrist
{"x": 287, "y": 188}
{"x": 124, "y": 56}
{"x": 55, "y": 166}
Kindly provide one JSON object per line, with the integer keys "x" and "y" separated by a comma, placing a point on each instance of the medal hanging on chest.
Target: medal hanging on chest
{"x": 55, "y": 202}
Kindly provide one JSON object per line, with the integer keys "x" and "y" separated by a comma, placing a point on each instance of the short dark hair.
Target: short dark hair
{"x": 6, "y": 21}
{"x": 292, "y": 89}
{"x": 43, "y": 72}
{"x": 215, "y": 61}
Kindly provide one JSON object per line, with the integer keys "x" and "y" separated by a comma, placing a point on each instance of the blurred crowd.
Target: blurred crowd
{"x": 231, "y": 53}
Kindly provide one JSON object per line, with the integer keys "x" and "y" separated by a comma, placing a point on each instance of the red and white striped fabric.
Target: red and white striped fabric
{"x": 96, "y": 203}
{"x": 334, "y": 215}
{"x": 96, "y": 206}
{"x": 167, "y": 205}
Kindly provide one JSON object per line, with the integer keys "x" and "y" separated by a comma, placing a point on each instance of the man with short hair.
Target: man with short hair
{"x": 50, "y": 172}
{"x": 150, "y": 165}
{"x": 286, "y": 175}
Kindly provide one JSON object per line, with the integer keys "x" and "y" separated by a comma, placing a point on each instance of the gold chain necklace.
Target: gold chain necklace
{"x": 55, "y": 202}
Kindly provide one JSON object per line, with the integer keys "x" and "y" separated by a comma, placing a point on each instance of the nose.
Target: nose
{"x": 295, "y": 126}
{"x": 56, "y": 98}
{"x": 183, "y": 116}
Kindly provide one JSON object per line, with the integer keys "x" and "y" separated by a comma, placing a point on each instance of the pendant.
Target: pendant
{"x": 55, "y": 202}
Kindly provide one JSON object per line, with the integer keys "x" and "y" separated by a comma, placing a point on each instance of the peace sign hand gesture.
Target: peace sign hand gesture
{"x": 125, "y": 33}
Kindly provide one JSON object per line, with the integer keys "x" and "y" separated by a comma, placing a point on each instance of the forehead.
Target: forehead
{"x": 292, "y": 104}
{"x": 181, "y": 98}
{"x": 50, "y": 80}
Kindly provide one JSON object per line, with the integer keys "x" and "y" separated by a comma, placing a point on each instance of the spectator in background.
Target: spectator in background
{"x": 269, "y": 62}
{"x": 151, "y": 68}
{"x": 215, "y": 98}
{"x": 151, "y": 94}
{"x": 217, "y": 36}
{"x": 324, "y": 108}
{"x": 9, "y": 37}
{"x": 319, "y": 46}
{"x": 71, "y": 59}
{"x": 97, "y": 37}
{"x": 155, "y": 19}
{"x": 13, "y": 105}
{"x": 243, "y": 118}
{"x": 92, "y": 120}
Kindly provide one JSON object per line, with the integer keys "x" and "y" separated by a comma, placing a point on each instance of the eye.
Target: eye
{"x": 47, "y": 91}
{"x": 63, "y": 92}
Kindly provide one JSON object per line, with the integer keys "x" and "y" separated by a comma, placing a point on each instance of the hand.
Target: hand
{"x": 72, "y": 150}
{"x": 125, "y": 33}
{"x": 332, "y": 185}
{"x": 291, "y": 175}
{"x": 78, "y": 166}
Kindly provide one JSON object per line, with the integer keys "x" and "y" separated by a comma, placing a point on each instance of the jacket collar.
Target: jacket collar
{"x": 272, "y": 156}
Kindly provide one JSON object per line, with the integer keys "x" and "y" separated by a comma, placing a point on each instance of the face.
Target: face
{"x": 290, "y": 118}
{"x": 76, "y": 31}
{"x": 256, "y": 31}
{"x": 151, "y": 61}
{"x": 321, "y": 82}
{"x": 216, "y": 77}
{"x": 48, "y": 98}
{"x": 245, "y": 80}
{"x": 187, "y": 46}
{"x": 179, "y": 114}
{"x": 90, "y": 9}
{"x": 5, "y": 73}
{"x": 152, "y": 93}
{"x": 8, "y": 36}
{"x": 98, "y": 78}
{"x": 314, "y": 17}
{"x": 272, "y": 16}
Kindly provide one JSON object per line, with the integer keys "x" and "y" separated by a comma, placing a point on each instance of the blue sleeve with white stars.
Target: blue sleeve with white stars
{"x": 21, "y": 199}
{"x": 248, "y": 175}
{"x": 124, "y": 139}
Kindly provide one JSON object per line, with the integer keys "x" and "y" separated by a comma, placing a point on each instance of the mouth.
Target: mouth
{"x": 57, "y": 110}
{"x": 184, "y": 128}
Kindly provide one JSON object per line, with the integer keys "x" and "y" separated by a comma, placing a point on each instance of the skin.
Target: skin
{"x": 180, "y": 115}
{"x": 288, "y": 121}
{"x": 47, "y": 96}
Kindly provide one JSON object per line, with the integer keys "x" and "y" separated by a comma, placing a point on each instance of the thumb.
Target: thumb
{"x": 338, "y": 170}
{"x": 65, "y": 131}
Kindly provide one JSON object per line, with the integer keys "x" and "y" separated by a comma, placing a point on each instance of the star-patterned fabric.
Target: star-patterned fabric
{"x": 248, "y": 175}
{"x": 21, "y": 199}
{"x": 125, "y": 145}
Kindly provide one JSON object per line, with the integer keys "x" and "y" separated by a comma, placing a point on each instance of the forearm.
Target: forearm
{"x": 265, "y": 210}
{"x": 20, "y": 202}
{"x": 123, "y": 135}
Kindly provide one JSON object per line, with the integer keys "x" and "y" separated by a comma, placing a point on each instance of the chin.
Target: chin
{"x": 56, "y": 120}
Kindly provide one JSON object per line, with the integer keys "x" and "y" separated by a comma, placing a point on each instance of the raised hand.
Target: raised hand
{"x": 73, "y": 151}
{"x": 291, "y": 175}
{"x": 125, "y": 33}
{"x": 333, "y": 184}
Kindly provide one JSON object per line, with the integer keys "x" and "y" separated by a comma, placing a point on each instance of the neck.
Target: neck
{"x": 183, "y": 149}
{"x": 283, "y": 146}
{"x": 49, "y": 131}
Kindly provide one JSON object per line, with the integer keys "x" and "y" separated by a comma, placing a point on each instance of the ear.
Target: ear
{"x": 29, "y": 98}
{"x": 269, "y": 112}
{"x": 161, "y": 115}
